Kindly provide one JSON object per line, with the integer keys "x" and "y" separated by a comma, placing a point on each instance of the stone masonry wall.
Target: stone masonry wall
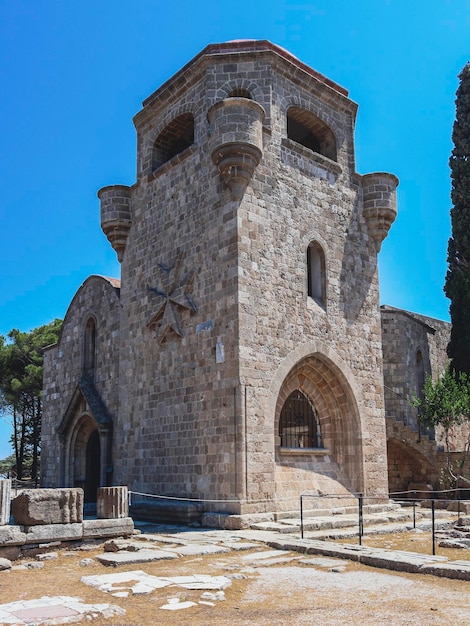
{"x": 63, "y": 364}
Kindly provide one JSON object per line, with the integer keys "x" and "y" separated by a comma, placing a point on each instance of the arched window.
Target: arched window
{"x": 307, "y": 129}
{"x": 298, "y": 424}
{"x": 89, "y": 348}
{"x": 316, "y": 273}
{"x": 239, "y": 92}
{"x": 176, "y": 137}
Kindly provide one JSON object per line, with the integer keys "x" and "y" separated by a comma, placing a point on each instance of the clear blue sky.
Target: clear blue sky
{"x": 74, "y": 72}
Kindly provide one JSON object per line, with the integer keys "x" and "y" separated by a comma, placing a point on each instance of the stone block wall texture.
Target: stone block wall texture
{"x": 97, "y": 298}
{"x": 212, "y": 327}
{"x": 48, "y": 506}
{"x": 5, "y": 497}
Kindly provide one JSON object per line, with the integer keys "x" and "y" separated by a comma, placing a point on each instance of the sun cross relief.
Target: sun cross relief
{"x": 176, "y": 293}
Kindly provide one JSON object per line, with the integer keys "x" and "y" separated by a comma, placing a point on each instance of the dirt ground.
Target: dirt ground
{"x": 298, "y": 590}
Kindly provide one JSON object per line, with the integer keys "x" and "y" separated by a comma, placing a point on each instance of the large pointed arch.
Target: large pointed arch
{"x": 337, "y": 467}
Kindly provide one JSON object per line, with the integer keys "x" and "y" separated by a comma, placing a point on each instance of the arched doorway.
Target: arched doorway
{"x": 86, "y": 457}
{"x": 93, "y": 464}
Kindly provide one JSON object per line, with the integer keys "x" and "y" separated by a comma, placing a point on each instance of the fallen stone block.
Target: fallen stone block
{"x": 127, "y": 558}
{"x": 123, "y": 527}
{"x": 463, "y": 506}
{"x": 48, "y": 506}
{"x": 4, "y": 564}
{"x": 52, "y": 532}
{"x": 116, "y": 545}
{"x": 48, "y": 556}
{"x": 11, "y": 536}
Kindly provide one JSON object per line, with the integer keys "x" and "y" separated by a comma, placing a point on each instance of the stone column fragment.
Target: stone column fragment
{"x": 5, "y": 496}
{"x": 112, "y": 503}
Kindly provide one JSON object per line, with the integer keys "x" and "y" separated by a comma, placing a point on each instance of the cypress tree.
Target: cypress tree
{"x": 457, "y": 285}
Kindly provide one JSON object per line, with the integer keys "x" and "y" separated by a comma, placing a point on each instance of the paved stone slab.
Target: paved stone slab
{"x": 174, "y": 604}
{"x": 196, "y": 549}
{"x": 54, "y": 610}
{"x": 139, "y": 582}
{"x": 136, "y": 581}
{"x": 267, "y": 554}
{"x": 141, "y": 556}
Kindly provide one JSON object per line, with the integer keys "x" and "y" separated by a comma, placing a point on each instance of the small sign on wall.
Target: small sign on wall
{"x": 219, "y": 352}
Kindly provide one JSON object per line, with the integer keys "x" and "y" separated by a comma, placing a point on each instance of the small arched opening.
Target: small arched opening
{"x": 174, "y": 139}
{"x": 316, "y": 276}
{"x": 239, "y": 92}
{"x": 307, "y": 129}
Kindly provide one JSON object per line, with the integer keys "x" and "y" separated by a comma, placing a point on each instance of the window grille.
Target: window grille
{"x": 299, "y": 426}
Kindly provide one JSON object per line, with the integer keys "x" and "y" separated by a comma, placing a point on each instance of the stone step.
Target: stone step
{"x": 402, "y": 518}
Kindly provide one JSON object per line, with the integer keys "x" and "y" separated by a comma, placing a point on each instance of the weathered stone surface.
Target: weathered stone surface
{"x": 52, "y": 532}
{"x": 4, "y": 564}
{"x": 5, "y": 497}
{"x": 10, "y": 552}
{"x": 142, "y": 556}
{"x": 11, "y": 535}
{"x": 123, "y": 527}
{"x": 112, "y": 502}
{"x": 47, "y": 556}
{"x": 48, "y": 506}
{"x": 463, "y": 506}
{"x": 116, "y": 545}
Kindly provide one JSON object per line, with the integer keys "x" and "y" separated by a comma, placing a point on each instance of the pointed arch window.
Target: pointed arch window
{"x": 89, "y": 348}
{"x": 307, "y": 129}
{"x": 174, "y": 138}
{"x": 299, "y": 426}
{"x": 316, "y": 277}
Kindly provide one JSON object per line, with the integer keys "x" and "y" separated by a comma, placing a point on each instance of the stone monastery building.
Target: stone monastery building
{"x": 240, "y": 360}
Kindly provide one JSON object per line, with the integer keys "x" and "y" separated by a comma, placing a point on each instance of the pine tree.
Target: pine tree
{"x": 457, "y": 286}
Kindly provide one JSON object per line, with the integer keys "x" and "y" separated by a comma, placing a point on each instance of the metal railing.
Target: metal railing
{"x": 407, "y": 498}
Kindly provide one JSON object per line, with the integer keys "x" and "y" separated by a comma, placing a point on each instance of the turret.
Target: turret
{"x": 236, "y": 140}
{"x": 116, "y": 215}
{"x": 380, "y": 204}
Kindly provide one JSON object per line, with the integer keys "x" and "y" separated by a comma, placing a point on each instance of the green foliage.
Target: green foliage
{"x": 8, "y": 466}
{"x": 457, "y": 286}
{"x": 445, "y": 402}
{"x": 21, "y": 369}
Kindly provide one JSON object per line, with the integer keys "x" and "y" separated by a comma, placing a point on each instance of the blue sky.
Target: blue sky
{"x": 74, "y": 72}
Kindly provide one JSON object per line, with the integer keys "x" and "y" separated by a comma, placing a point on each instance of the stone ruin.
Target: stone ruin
{"x": 42, "y": 517}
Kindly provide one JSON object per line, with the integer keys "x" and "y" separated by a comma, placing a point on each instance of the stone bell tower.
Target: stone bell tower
{"x": 249, "y": 341}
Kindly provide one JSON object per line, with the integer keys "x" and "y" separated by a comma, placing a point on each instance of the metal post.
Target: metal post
{"x": 414, "y": 509}
{"x": 433, "y": 528}
{"x": 458, "y": 504}
{"x": 301, "y": 517}
{"x": 361, "y": 522}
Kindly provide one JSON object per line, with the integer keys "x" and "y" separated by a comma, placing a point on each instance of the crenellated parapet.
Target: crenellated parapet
{"x": 116, "y": 215}
{"x": 236, "y": 141}
{"x": 379, "y": 204}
